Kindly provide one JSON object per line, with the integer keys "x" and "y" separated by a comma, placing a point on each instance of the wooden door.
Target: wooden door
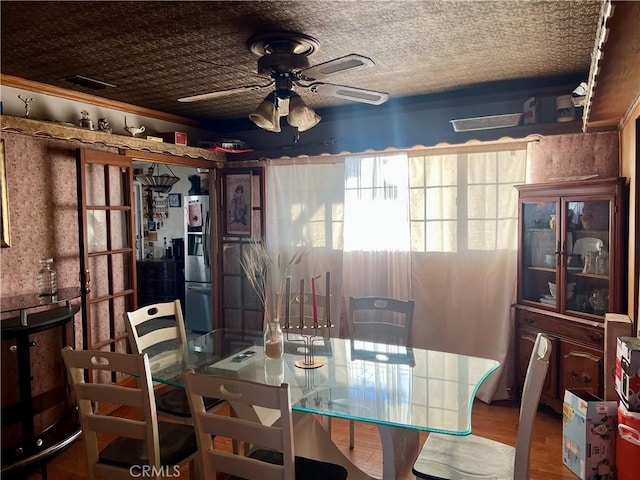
{"x": 107, "y": 247}
{"x": 240, "y": 308}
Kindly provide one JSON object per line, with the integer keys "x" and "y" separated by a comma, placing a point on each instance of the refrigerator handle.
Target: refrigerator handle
{"x": 205, "y": 241}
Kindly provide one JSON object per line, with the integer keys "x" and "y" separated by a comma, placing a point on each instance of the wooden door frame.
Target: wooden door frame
{"x": 86, "y": 157}
{"x": 214, "y": 167}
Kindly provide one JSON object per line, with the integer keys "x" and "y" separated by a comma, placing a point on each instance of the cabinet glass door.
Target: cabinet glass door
{"x": 540, "y": 259}
{"x": 587, "y": 237}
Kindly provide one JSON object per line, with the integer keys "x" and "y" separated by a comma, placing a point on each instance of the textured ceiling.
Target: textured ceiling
{"x": 156, "y": 52}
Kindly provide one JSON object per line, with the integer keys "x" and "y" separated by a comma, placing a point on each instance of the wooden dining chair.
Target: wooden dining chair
{"x": 380, "y": 320}
{"x": 471, "y": 457}
{"x": 269, "y": 449}
{"x": 139, "y": 440}
{"x": 159, "y": 330}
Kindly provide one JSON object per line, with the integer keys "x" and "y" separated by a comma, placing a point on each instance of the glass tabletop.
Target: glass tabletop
{"x": 382, "y": 384}
{"x": 32, "y": 300}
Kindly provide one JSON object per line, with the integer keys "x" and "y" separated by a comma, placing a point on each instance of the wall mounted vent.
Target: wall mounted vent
{"x": 88, "y": 82}
{"x": 486, "y": 123}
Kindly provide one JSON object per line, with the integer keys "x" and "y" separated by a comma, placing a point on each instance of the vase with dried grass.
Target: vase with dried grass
{"x": 255, "y": 263}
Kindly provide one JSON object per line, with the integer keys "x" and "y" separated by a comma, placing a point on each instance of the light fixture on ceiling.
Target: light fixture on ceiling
{"x": 158, "y": 183}
{"x": 284, "y": 103}
{"x": 301, "y": 116}
{"x": 267, "y": 115}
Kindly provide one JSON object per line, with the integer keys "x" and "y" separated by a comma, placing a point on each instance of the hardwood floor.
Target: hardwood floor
{"x": 497, "y": 421}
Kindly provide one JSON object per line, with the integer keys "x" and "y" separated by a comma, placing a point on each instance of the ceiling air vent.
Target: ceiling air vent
{"x": 486, "y": 123}
{"x": 88, "y": 82}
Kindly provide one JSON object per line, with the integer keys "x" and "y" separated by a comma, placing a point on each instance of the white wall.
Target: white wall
{"x": 173, "y": 226}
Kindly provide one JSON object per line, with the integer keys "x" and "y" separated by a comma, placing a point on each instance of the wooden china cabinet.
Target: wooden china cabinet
{"x": 571, "y": 270}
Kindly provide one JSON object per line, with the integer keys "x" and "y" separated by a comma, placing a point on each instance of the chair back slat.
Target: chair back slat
{"x": 533, "y": 384}
{"x": 122, "y": 427}
{"x": 108, "y": 393}
{"x": 243, "y": 430}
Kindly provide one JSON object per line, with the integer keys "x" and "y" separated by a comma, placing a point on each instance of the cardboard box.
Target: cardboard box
{"x": 179, "y": 138}
{"x": 588, "y": 435}
{"x": 628, "y": 372}
{"x": 615, "y": 325}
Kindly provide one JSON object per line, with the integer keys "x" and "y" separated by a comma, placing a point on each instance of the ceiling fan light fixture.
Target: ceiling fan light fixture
{"x": 300, "y": 115}
{"x": 267, "y": 116}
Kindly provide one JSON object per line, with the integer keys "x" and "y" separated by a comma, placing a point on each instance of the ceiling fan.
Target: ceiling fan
{"x": 284, "y": 59}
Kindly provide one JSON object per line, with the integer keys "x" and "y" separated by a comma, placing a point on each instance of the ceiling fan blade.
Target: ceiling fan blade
{"x": 350, "y": 93}
{"x": 222, "y": 93}
{"x": 352, "y": 61}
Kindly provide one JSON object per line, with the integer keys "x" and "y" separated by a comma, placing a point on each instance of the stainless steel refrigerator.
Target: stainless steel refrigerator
{"x": 197, "y": 264}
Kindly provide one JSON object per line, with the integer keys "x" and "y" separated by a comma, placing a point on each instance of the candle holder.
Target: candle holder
{"x": 309, "y": 333}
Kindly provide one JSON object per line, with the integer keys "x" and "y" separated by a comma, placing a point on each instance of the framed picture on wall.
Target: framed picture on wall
{"x": 237, "y": 212}
{"x": 175, "y": 200}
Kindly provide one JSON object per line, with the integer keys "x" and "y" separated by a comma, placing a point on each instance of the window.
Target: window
{"x": 376, "y": 203}
{"x": 465, "y": 201}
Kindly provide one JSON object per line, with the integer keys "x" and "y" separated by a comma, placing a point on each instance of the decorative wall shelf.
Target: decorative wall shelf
{"x": 62, "y": 131}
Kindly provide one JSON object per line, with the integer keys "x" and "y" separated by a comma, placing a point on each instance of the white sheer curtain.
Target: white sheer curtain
{"x": 377, "y": 238}
{"x": 305, "y": 213}
{"x": 440, "y": 229}
{"x": 464, "y": 217}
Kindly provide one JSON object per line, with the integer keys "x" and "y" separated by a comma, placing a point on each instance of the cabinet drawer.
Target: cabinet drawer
{"x": 562, "y": 328}
{"x": 580, "y": 368}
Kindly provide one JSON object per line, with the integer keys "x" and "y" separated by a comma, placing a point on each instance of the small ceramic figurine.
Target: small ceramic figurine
{"x": 85, "y": 121}
{"x": 133, "y": 131}
{"x": 27, "y": 105}
{"x": 103, "y": 125}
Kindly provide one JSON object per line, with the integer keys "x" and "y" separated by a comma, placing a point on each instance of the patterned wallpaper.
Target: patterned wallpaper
{"x": 573, "y": 155}
{"x": 41, "y": 180}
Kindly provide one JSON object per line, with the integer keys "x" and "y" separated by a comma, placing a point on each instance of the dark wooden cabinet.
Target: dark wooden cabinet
{"x": 571, "y": 271}
{"x": 39, "y": 417}
{"x": 577, "y": 360}
{"x": 157, "y": 282}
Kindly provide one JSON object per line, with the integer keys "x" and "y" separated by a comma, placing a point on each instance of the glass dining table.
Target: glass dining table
{"x": 403, "y": 391}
